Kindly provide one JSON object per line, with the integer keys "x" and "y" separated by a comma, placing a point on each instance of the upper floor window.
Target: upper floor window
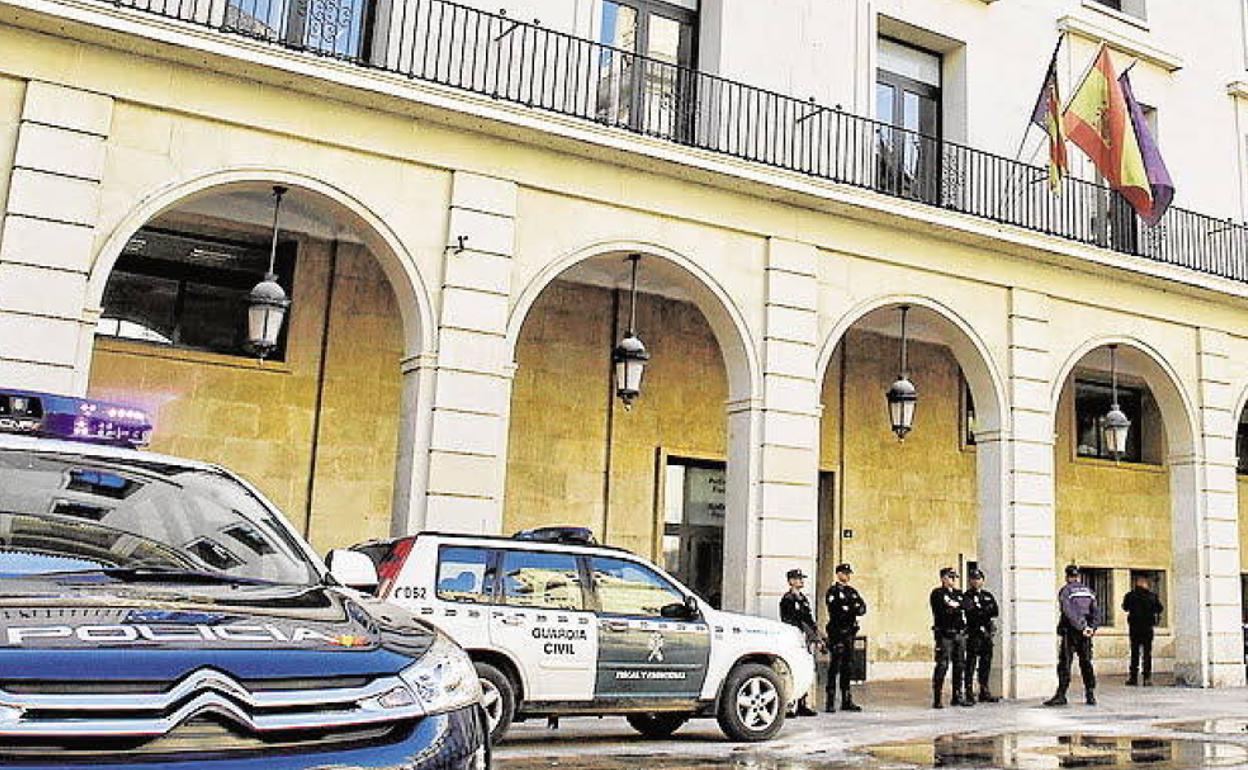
{"x": 907, "y": 105}
{"x": 1092, "y": 402}
{"x": 189, "y": 291}
{"x": 649, "y": 94}
{"x": 1131, "y": 7}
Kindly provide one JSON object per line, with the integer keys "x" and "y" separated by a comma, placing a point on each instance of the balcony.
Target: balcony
{"x": 502, "y": 58}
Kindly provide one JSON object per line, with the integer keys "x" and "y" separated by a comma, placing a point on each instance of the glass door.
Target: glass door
{"x": 653, "y": 94}
{"x": 907, "y": 108}
{"x": 693, "y": 525}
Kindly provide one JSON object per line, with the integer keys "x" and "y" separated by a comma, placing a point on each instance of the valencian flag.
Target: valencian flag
{"x": 1099, "y": 120}
{"x": 1048, "y": 116}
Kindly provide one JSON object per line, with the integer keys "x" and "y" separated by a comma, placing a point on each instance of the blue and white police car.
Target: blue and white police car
{"x": 156, "y": 611}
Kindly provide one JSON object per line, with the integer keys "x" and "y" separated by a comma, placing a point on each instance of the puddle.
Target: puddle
{"x": 1223, "y": 726}
{"x": 1036, "y": 752}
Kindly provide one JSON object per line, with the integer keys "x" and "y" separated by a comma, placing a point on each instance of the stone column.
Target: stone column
{"x": 1206, "y": 599}
{"x": 783, "y": 531}
{"x": 1029, "y": 581}
{"x": 47, "y": 241}
{"x": 472, "y": 375}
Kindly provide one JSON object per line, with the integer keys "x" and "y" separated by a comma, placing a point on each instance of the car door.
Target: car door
{"x": 541, "y": 620}
{"x": 641, "y": 654}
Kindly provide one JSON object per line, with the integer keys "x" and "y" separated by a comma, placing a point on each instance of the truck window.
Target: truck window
{"x": 547, "y": 581}
{"x": 461, "y": 574}
{"x": 628, "y": 588}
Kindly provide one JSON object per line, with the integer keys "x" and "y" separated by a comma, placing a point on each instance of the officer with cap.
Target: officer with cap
{"x": 795, "y": 610}
{"x": 1075, "y": 631}
{"x": 981, "y": 610}
{"x": 845, "y": 606}
{"x": 949, "y": 630}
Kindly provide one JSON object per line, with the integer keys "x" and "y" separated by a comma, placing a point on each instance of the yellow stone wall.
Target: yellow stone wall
{"x": 912, "y": 505}
{"x": 557, "y": 449}
{"x": 257, "y": 419}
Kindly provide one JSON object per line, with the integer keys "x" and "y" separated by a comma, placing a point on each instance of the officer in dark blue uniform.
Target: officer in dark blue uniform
{"x": 981, "y": 614}
{"x": 795, "y": 610}
{"x": 845, "y": 606}
{"x": 949, "y": 632}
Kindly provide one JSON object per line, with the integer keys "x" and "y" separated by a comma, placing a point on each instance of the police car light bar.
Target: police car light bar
{"x": 74, "y": 419}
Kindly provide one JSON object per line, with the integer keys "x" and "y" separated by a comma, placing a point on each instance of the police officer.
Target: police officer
{"x": 949, "y": 630}
{"x": 845, "y": 606}
{"x": 795, "y": 610}
{"x": 1075, "y": 631}
{"x": 1143, "y": 610}
{"x": 981, "y": 610}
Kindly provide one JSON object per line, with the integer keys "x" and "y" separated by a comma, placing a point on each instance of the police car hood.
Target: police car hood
{"x": 51, "y": 632}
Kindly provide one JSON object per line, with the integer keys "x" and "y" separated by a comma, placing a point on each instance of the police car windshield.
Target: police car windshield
{"x": 62, "y": 513}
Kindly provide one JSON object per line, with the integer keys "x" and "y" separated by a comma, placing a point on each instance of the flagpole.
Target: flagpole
{"x": 1052, "y": 59}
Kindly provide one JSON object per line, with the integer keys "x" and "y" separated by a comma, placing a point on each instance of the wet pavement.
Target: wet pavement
{"x": 1161, "y": 728}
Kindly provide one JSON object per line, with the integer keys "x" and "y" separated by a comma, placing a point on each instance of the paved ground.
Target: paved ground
{"x": 1159, "y": 727}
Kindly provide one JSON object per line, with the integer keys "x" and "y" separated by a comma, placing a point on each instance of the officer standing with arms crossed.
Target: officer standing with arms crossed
{"x": 1075, "y": 631}
{"x": 845, "y": 606}
{"x": 981, "y": 611}
{"x": 949, "y": 630}
{"x": 795, "y": 610}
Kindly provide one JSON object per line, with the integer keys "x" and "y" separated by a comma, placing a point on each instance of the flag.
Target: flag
{"x": 1098, "y": 122}
{"x": 1159, "y": 182}
{"x": 1047, "y": 114}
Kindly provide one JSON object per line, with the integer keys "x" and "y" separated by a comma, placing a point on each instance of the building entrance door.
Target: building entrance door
{"x": 693, "y": 525}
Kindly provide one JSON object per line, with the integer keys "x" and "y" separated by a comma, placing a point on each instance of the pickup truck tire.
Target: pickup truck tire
{"x": 752, "y": 703}
{"x": 498, "y": 698}
{"x": 657, "y": 725}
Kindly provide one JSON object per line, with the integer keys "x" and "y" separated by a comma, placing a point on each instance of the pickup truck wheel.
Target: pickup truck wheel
{"x": 498, "y": 699}
{"x": 658, "y": 725}
{"x": 751, "y": 706}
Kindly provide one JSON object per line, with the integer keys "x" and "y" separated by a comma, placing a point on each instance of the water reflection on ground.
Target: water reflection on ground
{"x": 1037, "y": 752}
{"x": 1220, "y": 726}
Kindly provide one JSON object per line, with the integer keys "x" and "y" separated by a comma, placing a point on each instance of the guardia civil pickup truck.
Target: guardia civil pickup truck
{"x": 159, "y": 612}
{"x": 558, "y": 625}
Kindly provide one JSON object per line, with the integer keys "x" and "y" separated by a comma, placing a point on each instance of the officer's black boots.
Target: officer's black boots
{"x": 987, "y": 697}
{"x": 936, "y": 704}
{"x": 958, "y": 700}
{"x": 1091, "y": 698}
{"x": 1148, "y": 681}
{"x": 1132, "y": 681}
{"x": 1057, "y": 700}
{"x": 847, "y": 704}
{"x": 829, "y": 705}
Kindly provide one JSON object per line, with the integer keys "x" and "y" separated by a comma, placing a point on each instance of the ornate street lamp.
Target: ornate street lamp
{"x": 630, "y": 355}
{"x": 1115, "y": 423}
{"x": 902, "y": 395}
{"x": 267, "y": 304}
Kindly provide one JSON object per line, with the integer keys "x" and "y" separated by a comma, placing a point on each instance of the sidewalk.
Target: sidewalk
{"x": 1208, "y": 725}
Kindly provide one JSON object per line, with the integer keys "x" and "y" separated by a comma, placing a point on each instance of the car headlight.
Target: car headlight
{"x": 444, "y": 678}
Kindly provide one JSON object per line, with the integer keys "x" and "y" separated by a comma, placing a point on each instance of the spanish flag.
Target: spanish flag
{"x": 1099, "y": 122}
{"x": 1047, "y": 114}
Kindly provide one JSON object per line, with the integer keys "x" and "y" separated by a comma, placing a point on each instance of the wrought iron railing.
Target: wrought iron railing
{"x": 491, "y": 54}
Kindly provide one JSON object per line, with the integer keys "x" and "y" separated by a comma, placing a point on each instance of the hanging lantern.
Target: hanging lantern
{"x": 630, "y": 354}
{"x": 902, "y": 396}
{"x": 267, "y": 303}
{"x": 1115, "y": 424}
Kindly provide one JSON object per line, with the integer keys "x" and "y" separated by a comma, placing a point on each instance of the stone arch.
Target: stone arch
{"x": 397, "y": 263}
{"x": 726, "y": 319}
{"x": 1184, "y": 461}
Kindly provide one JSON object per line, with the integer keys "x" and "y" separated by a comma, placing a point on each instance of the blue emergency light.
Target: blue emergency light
{"x": 74, "y": 419}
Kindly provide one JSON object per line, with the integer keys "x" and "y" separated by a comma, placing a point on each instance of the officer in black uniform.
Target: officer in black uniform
{"x": 1143, "y": 610}
{"x": 949, "y": 630}
{"x": 845, "y": 606}
{"x": 795, "y": 610}
{"x": 981, "y": 610}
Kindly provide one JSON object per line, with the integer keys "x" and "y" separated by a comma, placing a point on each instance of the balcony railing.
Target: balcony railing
{"x": 491, "y": 54}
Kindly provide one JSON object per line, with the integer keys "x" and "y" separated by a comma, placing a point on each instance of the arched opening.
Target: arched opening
{"x": 1130, "y": 515}
{"x": 663, "y": 478}
{"x": 900, "y": 511}
{"x": 316, "y": 425}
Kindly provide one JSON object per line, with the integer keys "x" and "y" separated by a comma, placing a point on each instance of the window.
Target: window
{"x": 1092, "y": 403}
{"x": 907, "y": 104}
{"x": 1130, "y": 7}
{"x": 189, "y": 291}
{"x": 341, "y": 28}
{"x": 629, "y": 588}
{"x": 693, "y": 525}
{"x": 547, "y": 581}
{"x": 462, "y": 574}
{"x": 1101, "y": 581}
{"x": 1241, "y": 444}
{"x": 650, "y": 94}
{"x": 968, "y": 413}
{"x": 1157, "y": 584}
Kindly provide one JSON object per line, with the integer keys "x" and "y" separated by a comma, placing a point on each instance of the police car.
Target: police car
{"x": 160, "y": 612}
{"x": 558, "y": 625}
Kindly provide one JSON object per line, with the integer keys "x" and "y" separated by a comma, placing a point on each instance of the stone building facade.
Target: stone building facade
{"x": 456, "y": 256}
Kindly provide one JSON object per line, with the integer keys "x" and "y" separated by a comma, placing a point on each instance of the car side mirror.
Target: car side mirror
{"x": 353, "y": 569}
{"x": 686, "y": 610}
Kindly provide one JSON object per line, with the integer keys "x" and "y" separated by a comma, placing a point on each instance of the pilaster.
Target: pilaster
{"x": 47, "y": 238}
{"x": 471, "y": 391}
